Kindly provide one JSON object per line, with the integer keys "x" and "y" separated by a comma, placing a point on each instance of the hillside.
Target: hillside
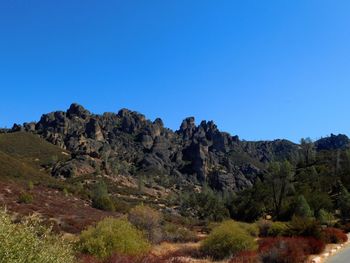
{"x": 143, "y": 161}
{"x": 75, "y": 168}
{"x": 128, "y": 144}
{"x": 26, "y": 161}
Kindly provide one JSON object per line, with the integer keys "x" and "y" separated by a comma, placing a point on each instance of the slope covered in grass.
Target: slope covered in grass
{"x": 31, "y": 148}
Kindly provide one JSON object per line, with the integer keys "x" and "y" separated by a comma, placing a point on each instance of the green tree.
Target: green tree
{"x": 307, "y": 151}
{"x": 279, "y": 179}
{"x": 100, "y": 197}
{"x": 302, "y": 208}
{"x": 242, "y": 208}
{"x": 344, "y": 202}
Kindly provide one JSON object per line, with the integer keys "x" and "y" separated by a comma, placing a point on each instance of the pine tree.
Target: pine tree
{"x": 302, "y": 208}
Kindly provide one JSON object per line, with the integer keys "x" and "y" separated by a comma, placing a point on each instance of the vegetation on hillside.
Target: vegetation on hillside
{"x": 31, "y": 242}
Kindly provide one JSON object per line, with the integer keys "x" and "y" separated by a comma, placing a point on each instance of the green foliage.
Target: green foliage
{"x": 326, "y": 218}
{"x": 227, "y": 240}
{"x": 206, "y": 205}
{"x": 176, "y": 233}
{"x": 251, "y": 229}
{"x": 25, "y": 198}
{"x": 307, "y": 227}
{"x": 302, "y": 208}
{"x": 307, "y": 151}
{"x": 278, "y": 229}
{"x": 279, "y": 179}
{"x": 65, "y": 192}
{"x": 31, "y": 242}
{"x": 30, "y": 185}
{"x": 101, "y": 199}
{"x": 148, "y": 220}
{"x": 243, "y": 209}
{"x": 344, "y": 202}
{"x": 113, "y": 236}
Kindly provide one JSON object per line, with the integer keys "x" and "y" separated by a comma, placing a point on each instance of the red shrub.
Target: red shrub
{"x": 288, "y": 249}
{"x": 334, "y": 235}
{"x": 346, "y": 228}
{"x": 314, "y": 246}
{"x": 245, "y": 257}
{"x": 282, "y": 250}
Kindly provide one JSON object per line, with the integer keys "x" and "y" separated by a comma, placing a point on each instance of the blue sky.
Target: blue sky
{"x": 259, "y": 69}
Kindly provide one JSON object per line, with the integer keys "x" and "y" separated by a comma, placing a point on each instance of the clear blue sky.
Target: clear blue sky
{"x": 260, "y": 69}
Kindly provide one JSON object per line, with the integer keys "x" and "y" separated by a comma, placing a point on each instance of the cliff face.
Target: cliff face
{"x": 127, "y": 143}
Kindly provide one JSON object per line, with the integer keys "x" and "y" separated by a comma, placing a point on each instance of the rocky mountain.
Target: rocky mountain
{"x": 333, "y": 142}
{"x": 126, "y": 143}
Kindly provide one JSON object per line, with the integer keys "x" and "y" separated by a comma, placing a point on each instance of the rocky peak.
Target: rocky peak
{"x": 187, "y": 128}
{"x": 127, "y": 143}
{"x": 333, "y": 142}
{"x": 76, "y": 110}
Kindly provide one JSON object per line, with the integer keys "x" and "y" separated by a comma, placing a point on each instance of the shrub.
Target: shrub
{"x": 282, "y": 250}
{"x": 65, "y": 192}
{"x": 175, "y": 233}
{"x": 147, "y": 220}
{"x": 326, "y": 218}
{"x": 121, "y": 206}
{"x": 288, "y": 249}
{"x": 103, "y": 203}
{"x": 101, "y": 199}
{"x": 25, "y": 198}
{"x": 227, "y": 240}
{"x": 30, "y": 185}
{"x": 263, "y": 226}
{"x": 307, "y": 227}
{"x": 113, "y": 236}
{"x": 314, "y": 246}
{"x": 334, "y": 236}
{"x": 346, "y": 228}
{"x": 277, "y": 229}
{"x": 302, "y": 208}
{"x": 30, "y": 241}
{"x": 252, "y": 229}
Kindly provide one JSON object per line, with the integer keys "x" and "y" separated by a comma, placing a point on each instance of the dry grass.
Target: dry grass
{"x": 66, "y": 213}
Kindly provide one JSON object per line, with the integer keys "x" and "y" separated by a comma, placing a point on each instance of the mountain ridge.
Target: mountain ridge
{"x": 127, "y": 143}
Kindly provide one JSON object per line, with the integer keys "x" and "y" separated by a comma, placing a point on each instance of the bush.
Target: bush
{"x": 101, "y": 199}
{"x": 25, "y": 198}
{"x": 263, "y": 226}
{"x": 148, "y": 220}
{"x": 113, "y": 236}
{"x": 326, "y": 218}
{"x": 103, "y": 203}
{"x": 227, "y": 240}
{"x": 334, "y": 236}
{"x": 314, "y": 246}
{"x": 175, "y": 233}
{"x": 29, "y": 241}
{"x": 30, "y": 185}
{"x": 277, "y": 229}
{"x": 252, "y": 229}
{"x": 282, "y": 250}
{"x": 288, "y": 249}
{"x": 306, "y": 227}
{"x": 346, "y": 228}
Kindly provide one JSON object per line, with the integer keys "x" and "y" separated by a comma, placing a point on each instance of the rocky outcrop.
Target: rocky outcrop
{"x": 333, "y": 142}
{"x": 126, "y": 143}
